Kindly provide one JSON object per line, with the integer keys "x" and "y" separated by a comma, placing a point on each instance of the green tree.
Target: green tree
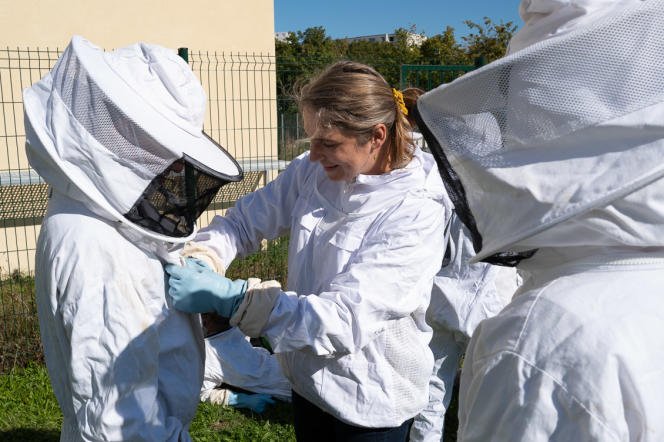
{"x": 387, "y": 57}
{"x": 402, "y": 51}
{"x": 488, "y": 39}
{"x": 288, "y": 54}
{"x": 315, "y": 42}
{"x": 299, "y": 56}
{"x": 443, "y": 49}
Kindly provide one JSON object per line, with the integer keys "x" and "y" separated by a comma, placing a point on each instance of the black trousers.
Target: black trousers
{"x": 314, "y": 425}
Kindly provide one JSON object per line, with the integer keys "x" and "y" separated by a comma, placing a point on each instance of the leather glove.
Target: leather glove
{"x": 195, "y": 288}
{"x": 255, "y": 402}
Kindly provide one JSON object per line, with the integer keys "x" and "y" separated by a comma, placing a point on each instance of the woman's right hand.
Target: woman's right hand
{"x": 195, "y": 288}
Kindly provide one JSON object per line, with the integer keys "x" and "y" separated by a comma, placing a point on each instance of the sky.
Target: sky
{"x": 351, "y": 18}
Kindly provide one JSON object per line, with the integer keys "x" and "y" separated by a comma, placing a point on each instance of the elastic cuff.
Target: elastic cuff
{"x": 237, "y": 301}
{"x": 204, "y": 253}
{"x": 254, "y": 310}
{"x": 217, "y": 396}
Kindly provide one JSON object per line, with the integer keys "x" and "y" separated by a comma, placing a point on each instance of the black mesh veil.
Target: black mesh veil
{"x": 457, "y": 195}
{"x": 174, "y": 199}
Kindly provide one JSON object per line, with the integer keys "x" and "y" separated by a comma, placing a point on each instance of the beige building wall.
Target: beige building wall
{"x": 236, "y": 34}
{"x": 214, "y": 25}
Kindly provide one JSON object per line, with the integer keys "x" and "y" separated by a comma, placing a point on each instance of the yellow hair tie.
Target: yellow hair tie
{"x": 398, "y": 98}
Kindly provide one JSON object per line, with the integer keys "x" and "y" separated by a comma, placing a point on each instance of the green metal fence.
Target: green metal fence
{"x": 22, "y": 203}
{"x": 427, "y": 77}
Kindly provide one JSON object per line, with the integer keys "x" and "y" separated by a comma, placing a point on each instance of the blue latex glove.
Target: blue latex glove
{"x": 195, "y": 288}
{"x": 255, "y": 402}
{"x": 197, "y": 264}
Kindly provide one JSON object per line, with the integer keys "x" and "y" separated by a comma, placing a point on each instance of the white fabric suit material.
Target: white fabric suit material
{"x": 123, "y": 365}
{"x": 544, "y": 19}
{"x": 463, "y": 295}
{"x": 575, "y": 356}
{"x": 570, "y": 164}
{"x": 368, "y": 252}
{"x": 230, "y": 358}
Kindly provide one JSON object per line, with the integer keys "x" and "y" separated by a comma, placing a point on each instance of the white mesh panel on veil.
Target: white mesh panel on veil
{"x": 104, "y": 121}
{"x": 536, "y": 138}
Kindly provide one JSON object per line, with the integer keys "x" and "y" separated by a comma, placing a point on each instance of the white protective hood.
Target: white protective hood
{"x": 106, "y": 127}
{"x": 545, "y": 19}
{"x": 561, "y": 142}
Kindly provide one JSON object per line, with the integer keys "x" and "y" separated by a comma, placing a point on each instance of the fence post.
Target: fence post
{"x": 189, "y": 174}
{"x": 184, "y": 53}
{"x": 480, "y": 61}
{"x": 283, "y": 132}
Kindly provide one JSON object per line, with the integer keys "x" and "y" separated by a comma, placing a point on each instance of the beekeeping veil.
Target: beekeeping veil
{"x": 560, "y": 142}
{"x": 122, "y": 132}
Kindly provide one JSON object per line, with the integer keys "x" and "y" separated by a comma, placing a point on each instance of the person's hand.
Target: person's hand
{"x": 255, "y": 402}
{"x": 195, "y": 288}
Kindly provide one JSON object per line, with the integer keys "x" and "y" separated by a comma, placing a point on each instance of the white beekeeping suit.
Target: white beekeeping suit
{"x": 118, "y": 137}
{"x": 463, "y": 295}
{"x": 553, "y": 157}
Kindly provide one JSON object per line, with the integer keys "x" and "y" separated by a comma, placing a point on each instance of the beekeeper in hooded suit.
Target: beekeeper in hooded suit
{"x": 553, "y": 157}
{"x": 118, "y": 137}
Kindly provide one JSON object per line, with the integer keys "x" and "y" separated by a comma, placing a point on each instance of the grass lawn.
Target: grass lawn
{"x": 29, "y": 412}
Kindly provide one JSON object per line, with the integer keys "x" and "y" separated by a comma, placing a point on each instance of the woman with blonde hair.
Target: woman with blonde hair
{"x": 365, "y": 211}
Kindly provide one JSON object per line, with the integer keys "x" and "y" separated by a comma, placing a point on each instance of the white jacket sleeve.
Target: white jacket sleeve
{"x": 464, "y": 294}
{"x": 262, "y": 214}
{"x": 388, "y": 278}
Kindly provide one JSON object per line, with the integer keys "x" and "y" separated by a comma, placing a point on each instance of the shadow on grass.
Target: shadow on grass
{"x": 279, "y": 413}
{"x": 29, "y": 434}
